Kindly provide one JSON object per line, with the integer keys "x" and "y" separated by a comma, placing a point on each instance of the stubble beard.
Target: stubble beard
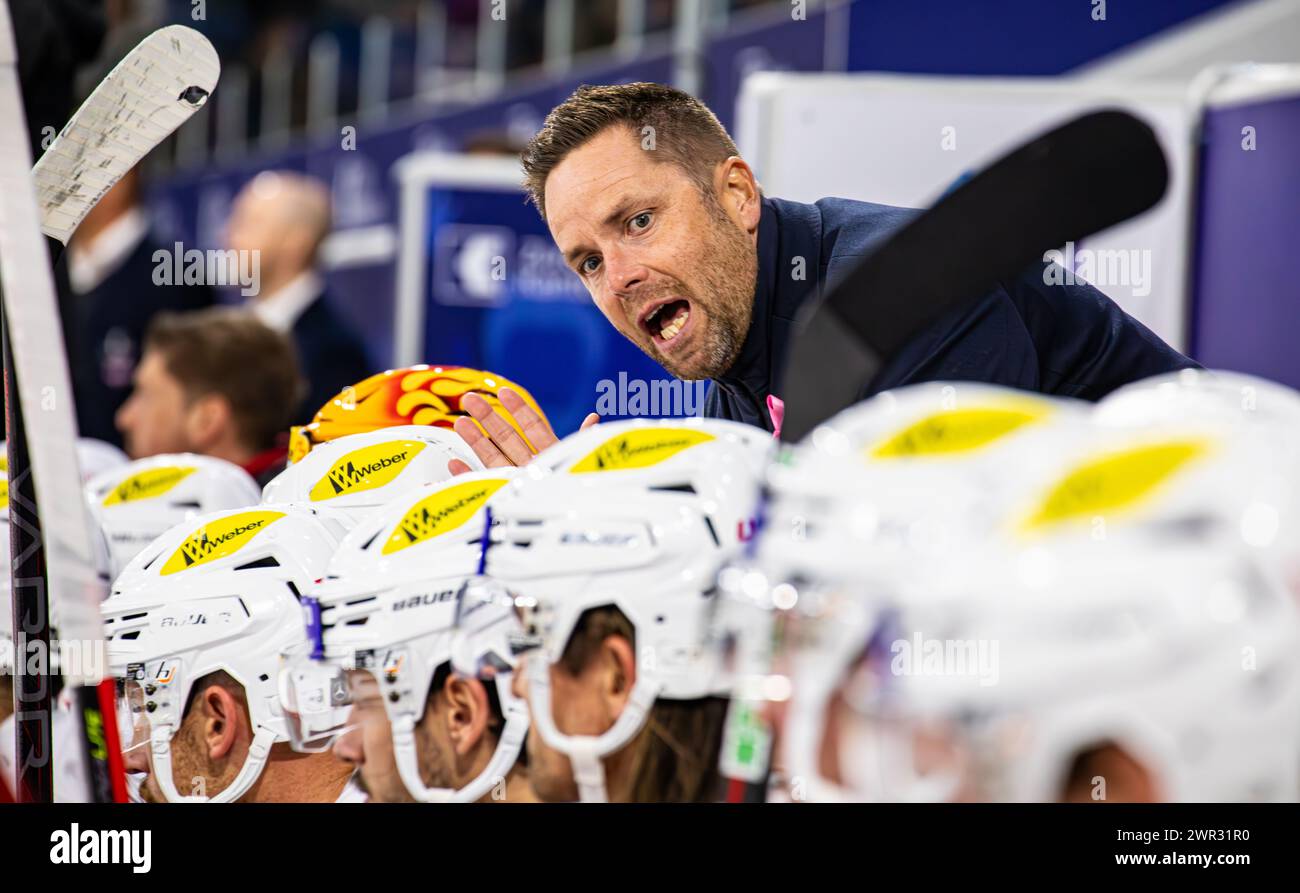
{"x": 728, "y": 268}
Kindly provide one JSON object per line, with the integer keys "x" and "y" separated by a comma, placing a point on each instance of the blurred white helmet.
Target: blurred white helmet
{"x": 993, "y": 680}
{"x": 637, "y": 516}
{"x": 133, "y": 504}
{"x": 1163, "y": 529}
{"x": 361, "y": 472}
{"x": 97, "y": 457}
{"x": 218, "y": 593}
{"x": 901, "y": 479}
{"x": 384, "y": 621}
{"x": 1192, "y": 395}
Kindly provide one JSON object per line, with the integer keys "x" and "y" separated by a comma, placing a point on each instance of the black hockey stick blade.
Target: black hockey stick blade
{"x": 1085, "y": 176}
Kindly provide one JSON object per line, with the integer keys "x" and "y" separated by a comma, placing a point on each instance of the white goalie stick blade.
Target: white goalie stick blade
{"x": 151, "y": 92}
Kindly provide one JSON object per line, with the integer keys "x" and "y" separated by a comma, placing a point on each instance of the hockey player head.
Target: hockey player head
{"x": 360, "y": 472}
{"x": 198, "y": 627}
{"x": 608, "y": 552}
{"x": 421, "y": 726}
{"x": 217, "y": 382}
{"x": 135, "y": 503}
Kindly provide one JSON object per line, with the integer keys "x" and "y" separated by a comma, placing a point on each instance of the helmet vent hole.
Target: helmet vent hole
{"x": 268, "y": 561}
{"x": 713, "y": 533}
{"x": 676, "y": 488}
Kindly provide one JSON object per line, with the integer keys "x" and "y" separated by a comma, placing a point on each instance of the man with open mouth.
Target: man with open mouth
{"x": 653, "y": 208}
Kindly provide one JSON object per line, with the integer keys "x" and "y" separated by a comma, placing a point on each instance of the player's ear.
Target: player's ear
{"x": 1109, "y": 773}
{"x": 222, "y": 717}
{"x": 741, "y": 198}
{"x": 618, "y": 673}
{"x": 208, "y": 419}
{"x": 467, "y": 712}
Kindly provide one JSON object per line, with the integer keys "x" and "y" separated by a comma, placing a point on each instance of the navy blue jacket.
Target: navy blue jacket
{"x": 330, "y": 354}
{"x": 1069, "y": 340}
{"x": 105, "y": 330}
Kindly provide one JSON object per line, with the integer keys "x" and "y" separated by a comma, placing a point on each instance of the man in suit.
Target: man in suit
{"x": 110, "y": 298}
{"x": 285, "y": 217}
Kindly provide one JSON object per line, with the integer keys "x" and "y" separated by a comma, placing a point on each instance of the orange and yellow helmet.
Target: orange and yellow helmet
{"x": 415, "y": 395}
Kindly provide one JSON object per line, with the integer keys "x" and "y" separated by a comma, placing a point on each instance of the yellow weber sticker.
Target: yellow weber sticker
{"x": 1113, "y": 482}
{"x": 4, "y": 482}
{"x": 217, "y": 539}
{"x": 957, "y": 431}
{"x": 365, "y": 469}
{"x": 640, "y": 448}
{"x": 148, "y": 484}
{"x": 441, "y": 513}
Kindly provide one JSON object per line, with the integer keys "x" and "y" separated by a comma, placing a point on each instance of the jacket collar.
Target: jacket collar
{"x": 789, "y": 265}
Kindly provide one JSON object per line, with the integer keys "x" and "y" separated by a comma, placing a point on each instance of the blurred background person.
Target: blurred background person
{"x": 285, "y": 217}
{"x": 110, "y": 299}
{"x": 219, "y": 383}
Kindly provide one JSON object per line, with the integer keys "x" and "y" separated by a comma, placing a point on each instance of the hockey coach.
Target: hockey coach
{"x": 653, "y": 208}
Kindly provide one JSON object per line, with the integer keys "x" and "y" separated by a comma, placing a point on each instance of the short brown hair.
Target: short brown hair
{"x": 685, "y": 132}
{"x": 230, "y": 352}
{"x": 675, "y": 758}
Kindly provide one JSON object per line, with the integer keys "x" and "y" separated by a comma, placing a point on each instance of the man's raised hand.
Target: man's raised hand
{"x": 501, "y": 445}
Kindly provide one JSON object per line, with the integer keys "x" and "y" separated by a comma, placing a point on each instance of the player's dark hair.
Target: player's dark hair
{"x": 674, "y": 126}
{"x": 230, "y": 352}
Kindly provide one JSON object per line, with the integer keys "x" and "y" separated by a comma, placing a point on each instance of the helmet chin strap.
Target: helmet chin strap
{"x": 586, "y": 752}
{"x": 258, "y": 753}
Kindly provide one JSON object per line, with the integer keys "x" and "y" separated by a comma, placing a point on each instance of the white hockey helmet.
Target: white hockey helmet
{"x": 217, "y": 593}
{"x": 902, "y": 478}
{"x": 990, "y": 680}
{"x": 639, "y": 517}
{"x": 1124, "y": 512}
{"x": 383, "y": 621}
{"x": 135, "y": 503}
{"x": 1191, "y": 395}
{"x": 360, "y": 472}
